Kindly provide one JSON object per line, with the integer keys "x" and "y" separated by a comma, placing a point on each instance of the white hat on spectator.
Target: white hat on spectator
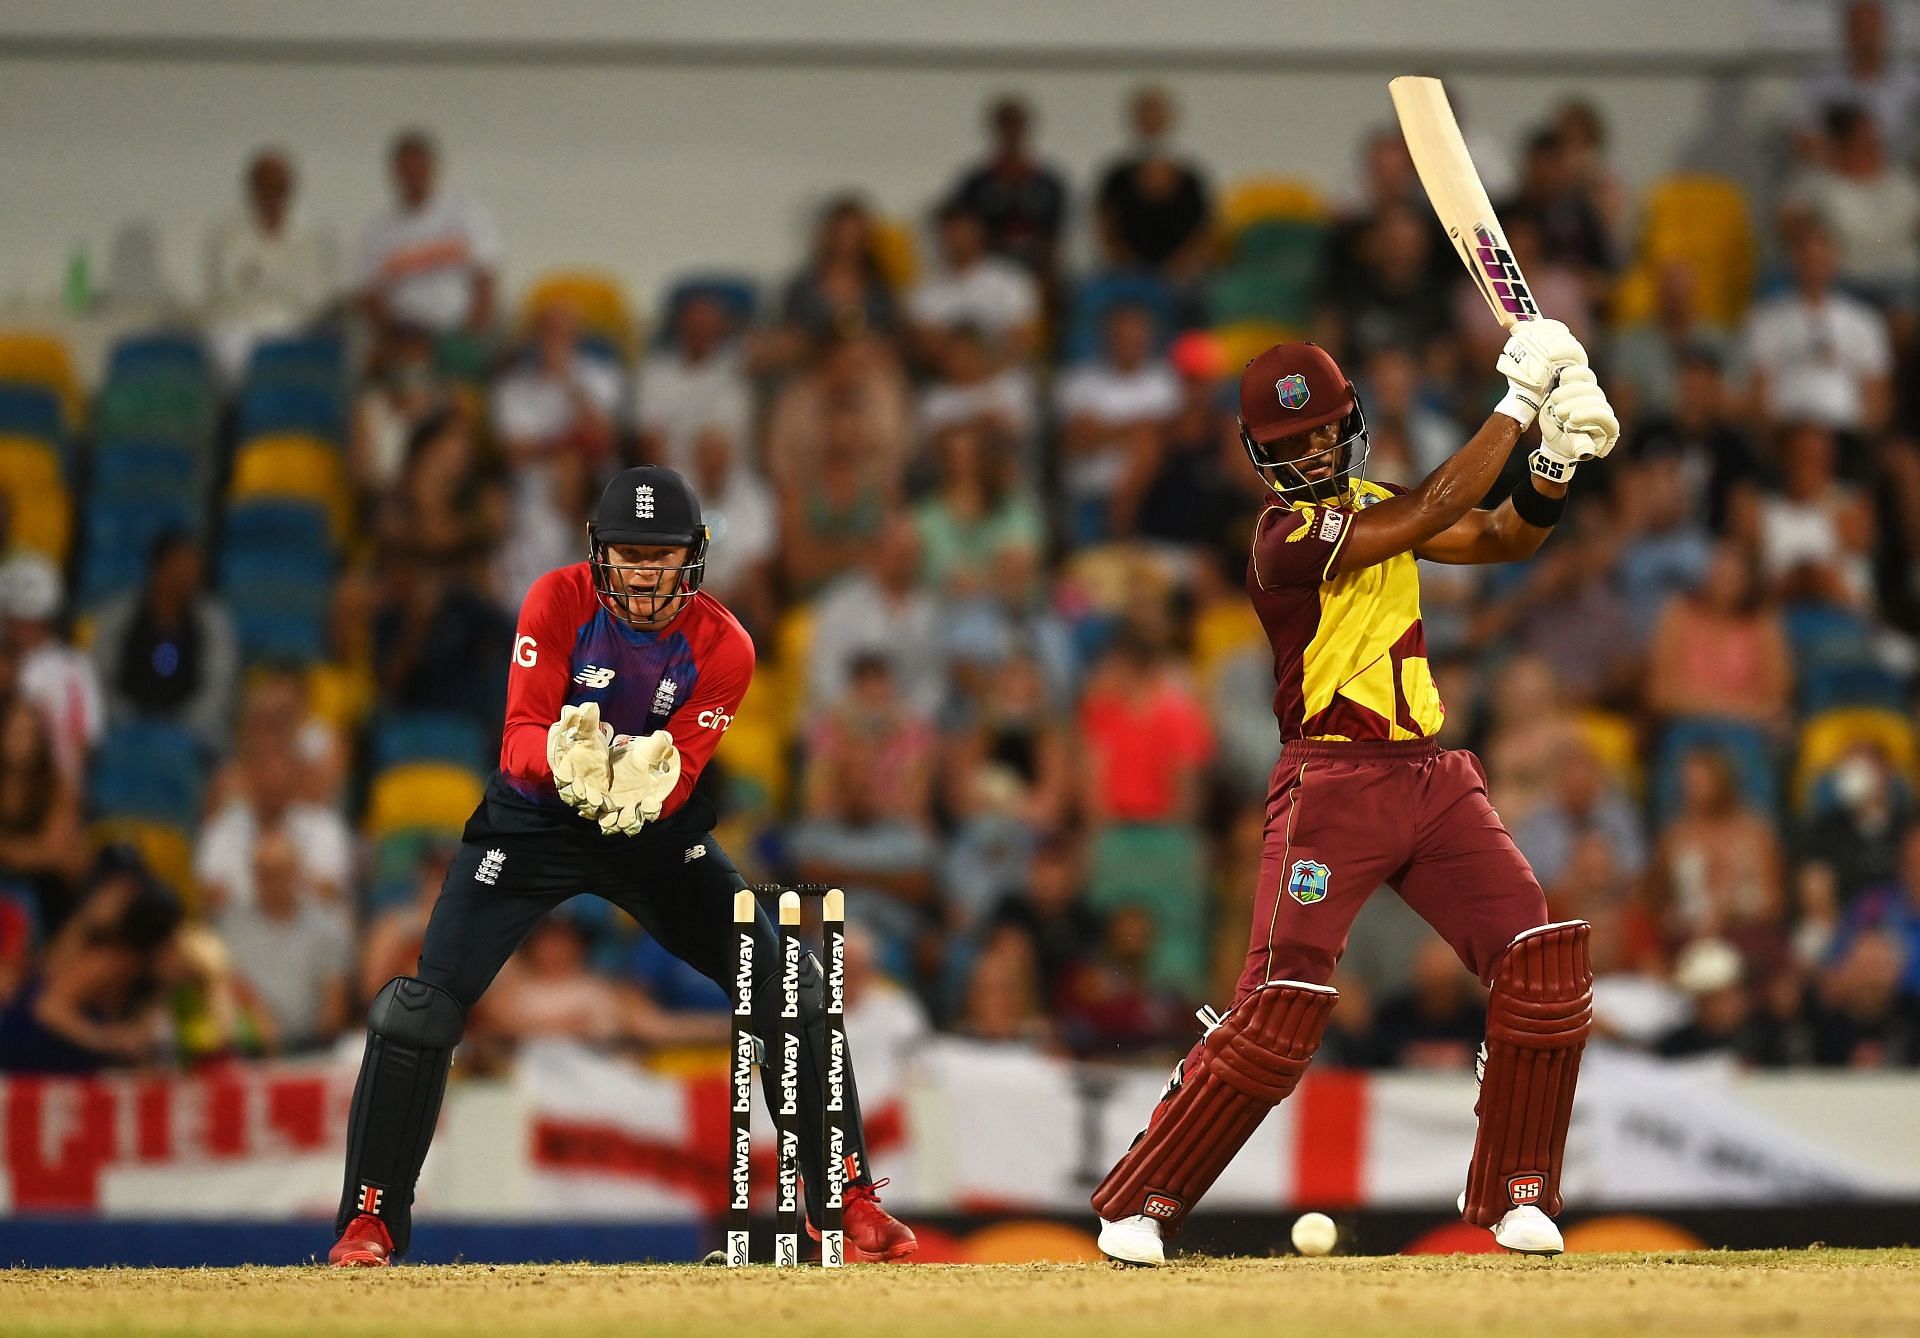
{"x": 30, "y": 587}
{"x": 1707, "y": 966}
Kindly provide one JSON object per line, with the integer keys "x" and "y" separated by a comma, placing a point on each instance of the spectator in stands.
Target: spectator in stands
{"x": 292, "y": 954}
{"x": 1863, "y": 1019}
{"x": 404, "y": 388}
{"x": 1148, "y": 741}
{"x": 1584, "y": 800}
{"x": 1872, "y": 209}
{"x": 1721, "y": 651}
{"x": 277, "y": 715}
{"x": 440, "y": 644}
{"x": 978, "y": 510}
{"x": 833, "y": 516}
{"x": 1717, "y": 868}
{"x": 1437, "y": 1021}
{"x": 974, "y": 287}
{"x": 1008, "y": 615}
{"x": 1814, "y": 535}
{"x": 974, "y": 387}
{"x": 1050, "y": 907}
{"x": 1531, "y": 723}
{"x": 1557, "y": 286}
{"x": 445, "y": 507}
{"x": 1815, "y": 354}
{"x": 1723, "y": 1020}
{"x": 266, "y": 797}
{"x": 1111, "y": 412}
{"x": 267, "y": 273}
{"x": 392, "y": 945}
{"x": 1021, "y": 200}
{"x": 1862, "y": 814}
{"x": 841, "y": 293}
{"x": 1565, "y": 608}
{"x": 1701, "y": 453}
{"x": 1392, "y": 293}
{"x": 553, "y": 414}
{"x": 846, "y": 375}
{"x": 547, "y": 991}
{"x": 1190, "y": 485}
{"x": 868, "y": 827}
{"x": 57, "y": 679}
{"x": 1891, "y": 907}
{"x": 1387, "y": 181}
{"x": 43, "y": 848}
{"x": 1650, "y": 361}
{"x": 1109, "y": 1006}
{"x": 694, "y": 384}
{"x": 1664, "y": 548}
{"x": 1582, "y": 133}
{"x": 167, "y": 650}
{"x": 743, "y": 523}
{"x": 879, "y": 610}
{"x": 1004, "y": 995}
{"x": 1573, "y": 231}
{"x": 432, "y": 260}
{"x": 1873, "y": 76}
{"x": 1153, "y": 207}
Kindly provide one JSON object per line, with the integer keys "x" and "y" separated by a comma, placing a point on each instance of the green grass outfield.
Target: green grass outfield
{"x": 1825, "y": 1292}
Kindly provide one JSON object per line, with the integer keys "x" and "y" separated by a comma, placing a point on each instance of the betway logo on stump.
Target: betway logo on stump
{"x": 743, "y": 978}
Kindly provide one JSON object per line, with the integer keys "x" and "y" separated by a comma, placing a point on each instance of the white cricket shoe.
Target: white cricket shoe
{"x": 1133, "y": 1240}
{"x": 1523, "y": 1230}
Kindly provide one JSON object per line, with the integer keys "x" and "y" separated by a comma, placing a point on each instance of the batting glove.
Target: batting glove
{"x": 577, "y": 754}
{"x": 1576, "y": 424}
{"x": 1536, "y": 353}
{"x": 643, "y": 773}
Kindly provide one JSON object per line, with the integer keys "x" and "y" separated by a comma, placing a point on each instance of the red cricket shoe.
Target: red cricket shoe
{"x": 874, "y": 1235}
{"x": 364, "y": 1244}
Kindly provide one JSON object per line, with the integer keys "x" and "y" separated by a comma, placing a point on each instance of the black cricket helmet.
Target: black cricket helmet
{"x": 651, "y": 507}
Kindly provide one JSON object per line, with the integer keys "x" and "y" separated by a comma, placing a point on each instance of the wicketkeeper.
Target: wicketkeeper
{"x": 625, "y": 678}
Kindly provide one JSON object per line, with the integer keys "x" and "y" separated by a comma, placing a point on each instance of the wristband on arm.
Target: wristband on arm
{"x": 1535, "y": 507}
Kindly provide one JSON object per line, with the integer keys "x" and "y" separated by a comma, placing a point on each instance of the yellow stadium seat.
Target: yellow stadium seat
{"x": 1615, "y": 746}
{"x": 1703, "y": 222}
{"x": 1827, "y": 737}
{"x": 597, "y": 299}
{"x": 1222, "y": 630}
{"x": 417, "y": 795}
{"x": 1242, "y": 343}
{"x": 40, "y": 359}
{"x": 896, "y": 252}
{"x": 340, "y": 694}
{"x": 37, "y": 496}
{"x": 166, "y": 849}
{"x": 785, "y": 679}
{"x": 1270, "y": 199}
{"x": 296, "y": 466}
{"x": 757, "y": 749}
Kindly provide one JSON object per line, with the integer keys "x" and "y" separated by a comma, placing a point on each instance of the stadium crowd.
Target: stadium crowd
{"x": 986, "y": 514}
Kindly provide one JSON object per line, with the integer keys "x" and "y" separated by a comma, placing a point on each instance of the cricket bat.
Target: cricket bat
{"x": 1453, "y": 186}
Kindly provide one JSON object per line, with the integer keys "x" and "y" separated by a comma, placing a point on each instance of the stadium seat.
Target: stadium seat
{"x": 303, "y": 360}
{"x": 30, "y": 357}
{"x": 1824, "y": 687}
{"x": 1276, "y": 293}
{"x": 1242, "y": 342}
{"x": 429, "y": 736}
{"x": 1829, "y": 736}
{"x": 147, "y": 769}
{"x": 292, "y": 466}
{"x": 118, "y": 536}
{"x": 1162, "y": 868}
{"x": 33, "y": 411}
{"x": 896, "y": 251}
{"x": 1100, "y": 294}
{"x": 467, "y": 359}
{"x": 429, "y": 796}
{"x": 396, "y": 867}
{"x": 283, "y": 408}
{"x": 1700, "y": 221}
{"x": 172, "y": 408}
{"x": 599, "y": 300}
{"x": 165, "y": 848}
{"x": 1260, "y": 200}
{"x": 160, "y": 353}
{"x": 40, "y": 507}
{"x": 1615, "y": 745}
{"x": 279, "y": 598}
{"x": 301, "y": 529}
{"x": 132, "y": 469}
{"x": 736, "y": 293}
{"x": 1748, "y": 748}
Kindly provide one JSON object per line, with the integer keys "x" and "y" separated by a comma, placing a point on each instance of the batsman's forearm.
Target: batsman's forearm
{"x": 1467, "y": 475}
{"x": 1516, "y": 536}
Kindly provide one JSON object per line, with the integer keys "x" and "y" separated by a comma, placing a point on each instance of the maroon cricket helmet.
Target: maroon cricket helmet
{"x": 1291, "y": 389}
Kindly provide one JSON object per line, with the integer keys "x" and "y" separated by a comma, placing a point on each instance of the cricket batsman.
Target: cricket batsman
{"x": 625, "y": 677}
{"x": 1363, "y": 795}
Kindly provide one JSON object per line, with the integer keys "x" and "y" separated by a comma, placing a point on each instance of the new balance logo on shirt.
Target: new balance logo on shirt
{"x": 694, "y": 853}
{"x": 594, "y": 676}
{"x": 489, "y": 870}
{"x": 663, "y": 697}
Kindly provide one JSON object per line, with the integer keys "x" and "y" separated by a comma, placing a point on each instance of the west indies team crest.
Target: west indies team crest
{"x": 1293, "y": 392}
{"x": 1307, "y": 883}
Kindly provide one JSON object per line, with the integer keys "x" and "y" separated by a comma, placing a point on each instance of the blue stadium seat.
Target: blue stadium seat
{"x": 1826, "y": 634}
{"x": 118, "y": 534}
{"x": 293, "y": 407}
{"x": 32, "y": 411}
{"x": 739, "y": 294}
{"x": 306, "y": 360}
{"x": 278, "y": 525}
{"x": 430, "y": 736}
{"x": 1101, "y": 293}
{"x": 1853, "y": 683}
{"x": 158, "y": 353}
{"x": 1749, "y": 749}
{"x": 147, "y": 769}
{"x": 134, "y": 469}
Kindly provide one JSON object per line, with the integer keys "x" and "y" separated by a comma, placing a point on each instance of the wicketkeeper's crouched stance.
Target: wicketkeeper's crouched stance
{"x": 593, "y": 794}
{"x": 1363, "y": 795}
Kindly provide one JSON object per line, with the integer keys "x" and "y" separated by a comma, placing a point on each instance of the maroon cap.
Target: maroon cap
{"x": 1292, "y": 388}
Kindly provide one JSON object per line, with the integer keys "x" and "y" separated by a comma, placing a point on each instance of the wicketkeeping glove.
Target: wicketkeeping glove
{"x": 1576, "y": 424}
{"x": 643, "y": 773}
{"x": 1536, "y": 353}
{"x": 578, "y": 747}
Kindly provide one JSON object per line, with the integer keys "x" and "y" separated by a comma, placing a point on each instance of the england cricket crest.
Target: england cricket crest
{"x": 1307, "y": 882}
{"x": 1292, "y": 390}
